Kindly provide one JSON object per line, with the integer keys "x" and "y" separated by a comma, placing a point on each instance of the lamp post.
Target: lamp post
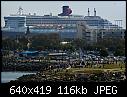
{"x": 28, "y": 38}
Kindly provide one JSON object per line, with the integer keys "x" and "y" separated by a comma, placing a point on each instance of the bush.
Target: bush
{"x": 119, "y": 52}
{"x": 104, "y": 52}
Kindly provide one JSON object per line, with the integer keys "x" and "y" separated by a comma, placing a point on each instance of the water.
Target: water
{"x": 8, "y": 76}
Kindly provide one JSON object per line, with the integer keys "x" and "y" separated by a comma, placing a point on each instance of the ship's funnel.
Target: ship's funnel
{"x": 66, "y": 11}
{"x": 65, "y": 8}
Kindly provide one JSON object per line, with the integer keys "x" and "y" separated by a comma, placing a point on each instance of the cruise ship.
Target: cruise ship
{"x": 65, "y": 24}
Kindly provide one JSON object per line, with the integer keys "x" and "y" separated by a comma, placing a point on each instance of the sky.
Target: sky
{"x": 110, "y": 10}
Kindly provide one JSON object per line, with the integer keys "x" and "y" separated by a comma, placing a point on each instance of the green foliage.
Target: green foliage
{"x": 79, "y": 43}
{"x": 45, "y": 41}
{"x": 119, "y": 52}
{"x": 111, "y": 43}
{"x": 67, "y": 47}
{"x": 104, "y": 52}
{"x": 52, "y": 42}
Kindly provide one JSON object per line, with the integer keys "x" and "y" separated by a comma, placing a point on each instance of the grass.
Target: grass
{"x": 112, "y": 66}
{"x": 87, "y": 70}
{"x": 107, "y": 67}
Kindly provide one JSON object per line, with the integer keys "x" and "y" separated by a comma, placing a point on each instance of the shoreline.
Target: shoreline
{"x": 60, "y": 75}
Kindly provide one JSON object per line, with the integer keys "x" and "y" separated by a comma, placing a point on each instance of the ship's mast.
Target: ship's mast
{"x": 20, "y": 10}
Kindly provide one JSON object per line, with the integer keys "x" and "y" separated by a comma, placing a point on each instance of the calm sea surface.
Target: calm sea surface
{"x": 8, "y": 76}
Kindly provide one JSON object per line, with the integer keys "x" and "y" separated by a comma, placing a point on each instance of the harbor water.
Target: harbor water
{"x": 8, "y": 76}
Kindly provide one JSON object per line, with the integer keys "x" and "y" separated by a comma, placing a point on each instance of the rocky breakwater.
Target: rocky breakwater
{"x": 58, "y": 75}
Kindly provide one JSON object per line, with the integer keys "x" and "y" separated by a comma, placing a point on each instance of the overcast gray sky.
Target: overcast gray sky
{"x": 111, "y": 10}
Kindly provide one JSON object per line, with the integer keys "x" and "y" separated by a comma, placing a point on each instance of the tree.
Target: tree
{"x": 79, "y": 43}
{"x": 45, "y": 41}
{"x": 103, "y": 52}
{"x": 119, "y": 52}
